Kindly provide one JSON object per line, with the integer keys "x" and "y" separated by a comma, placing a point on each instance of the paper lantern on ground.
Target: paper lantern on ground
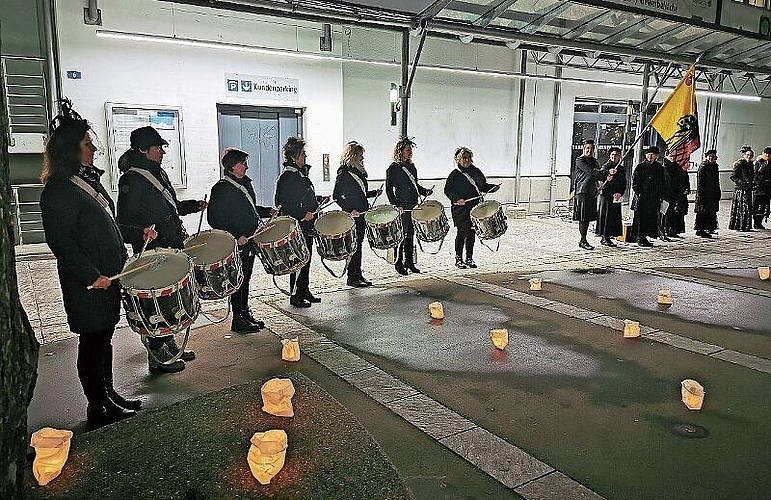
{"x": 266, "y": 454}
{"x": 764, "y": 272}
{"x": 535, "y": 284}
{"x": 52, "y": 447}
{"x": 290, "y": 350}
{"x": 693, "y": 394}
{"x": 665, "y": 297}
{"x": 277, "y": 397}
{"x": 631, "y": 329}
{"x": 500, "y": 337}
{"x": 436, "y": 309}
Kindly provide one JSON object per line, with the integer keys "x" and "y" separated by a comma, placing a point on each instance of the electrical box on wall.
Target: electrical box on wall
{"x": 27, "y": 143}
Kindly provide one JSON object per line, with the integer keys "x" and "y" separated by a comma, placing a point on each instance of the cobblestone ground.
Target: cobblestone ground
{"x": 534, "y": 243}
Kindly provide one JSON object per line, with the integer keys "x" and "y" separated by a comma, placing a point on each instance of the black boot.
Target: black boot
{"x": 187, "y": 354}
{"x": 106, "y": 413}
{"x": 399, "y": 264}
{"x": 759, "y": 222}
{"x": 249, "y": 317}
{"x": 298, "y": 300}
{"x": 241, "y": 325}
{"x": 307, "y": 295}
{"x": 130, "y": 404}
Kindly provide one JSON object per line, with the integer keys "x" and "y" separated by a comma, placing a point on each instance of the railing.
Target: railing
{"x": 26, "y": 210}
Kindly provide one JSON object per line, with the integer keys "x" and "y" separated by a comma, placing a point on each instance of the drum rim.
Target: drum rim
{"x": 214, "y": 265}
{"x": 382, "y": 224}
{"x": 174, "y": 286}
{"x": 279, "y": 242}
{"x": 336, "y": 235}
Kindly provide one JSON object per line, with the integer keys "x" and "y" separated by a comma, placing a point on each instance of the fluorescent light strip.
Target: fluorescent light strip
{"x": 192, "y": 42}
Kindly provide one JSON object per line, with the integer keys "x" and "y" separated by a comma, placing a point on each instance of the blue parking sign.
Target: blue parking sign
{"x": 246, "y": 85}
{"x": 232, "y": 85}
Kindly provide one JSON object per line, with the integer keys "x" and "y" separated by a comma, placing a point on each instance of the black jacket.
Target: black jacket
{"x": 587, "y": 173}
{"x": 230, "y": 209}
{"x": 762, "y": 176}
{"x": 458, "y": 186}
{"x": 296, "y": 195}
{"x": 674, "y": 182}
{"x": 86, "y": 243}
{"x": 617, "y": 184}
{"x": 743, "y": 174}
{"x": 348, "y": 193}
{"x": 399, "y": 188}
{"x": 141, "y": 205}
{"x": 707, "y": 188}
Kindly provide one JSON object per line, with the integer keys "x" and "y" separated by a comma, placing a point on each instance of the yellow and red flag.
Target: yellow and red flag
{"x": 677, "y": 121}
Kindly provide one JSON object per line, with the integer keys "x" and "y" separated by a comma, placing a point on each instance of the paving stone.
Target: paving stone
{"x": 313, "y": 345}
{"x": 431, "y": 417}
{"x": 748, "y": 360}
{"x": 340, "y": 361}
{"x": 497, "y": 457}
{"x": 379, "y": 385}
{"x": 572, "y": 311}
{"x": 556, "y": 485}
{"x": 684, "y": 342}
{"x": 608, "y": 322}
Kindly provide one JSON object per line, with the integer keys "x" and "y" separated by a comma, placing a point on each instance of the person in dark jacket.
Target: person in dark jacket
{"x": 464, "y": 182}
{"x": 741, "y": 205}
{"x": 81, "y": 231}
{"x": 297, "y": 197}
{"x": 609, "y": 199}
{"x": 707, "y": 195}
{"x": 351, "y": 195}
{"x": 761, "y": 195}
{"x": 403, "y": 191}
{"x": 233, "y": 208}
{"x": 672, "y": 193}
{"x": 146, "y": 198}
{"x": 648, "y": 184}
{"x": 587, "y": 174}
{"x": 681, "y": 203}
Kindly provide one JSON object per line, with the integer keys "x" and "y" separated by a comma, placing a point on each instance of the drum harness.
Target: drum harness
{"x": 481, "y": 196}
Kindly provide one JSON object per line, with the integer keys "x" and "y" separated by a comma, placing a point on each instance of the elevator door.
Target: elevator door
{"x": 261, "y": 132}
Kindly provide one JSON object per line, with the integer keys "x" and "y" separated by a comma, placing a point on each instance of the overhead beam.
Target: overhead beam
{"x": 433, "y": 9}
{"x": 546, "y": 18}
{"x": 666, "y": 35}
{"x": 587, "y": 24}
{"x": 625, "y": 31}
{"x": 723, "y": 47}
{"x": 485, "y": 19}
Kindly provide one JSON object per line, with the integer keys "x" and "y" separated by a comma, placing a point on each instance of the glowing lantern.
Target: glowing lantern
{"x": 290, "y": 350}
{"x": 665, "y": 297}
{"x": 52, "y": 446}
{"x": 266, "y": 454}
{"x": 436, "y": 309}
{"x": 764, "y": 272}
{"x": 631, "y": 329}
{"x": 693, "y": 394}
{"x": 535, "y": 283}
{"x": 277, "y": 397}
{"x": 500, "y": 338}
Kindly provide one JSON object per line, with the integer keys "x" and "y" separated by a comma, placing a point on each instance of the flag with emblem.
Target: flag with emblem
{"x": 677, "y": 121}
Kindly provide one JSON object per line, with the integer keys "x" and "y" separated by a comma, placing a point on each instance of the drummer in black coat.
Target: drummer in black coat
{"x": 83, "y": 236}
{"x": 233, "y": 208}
{"x": 403, "y": 190}
{"x": 351, "y": 195}
{"x": 464, "y": 182}
{"x": 297, "y": 197}
{"x": 587, "y": 174}
{"x": 609, "y": 199}
{"x": 146, "y": 198}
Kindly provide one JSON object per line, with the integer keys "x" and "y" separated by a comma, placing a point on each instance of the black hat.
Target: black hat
{"x": 145, "y": 137}
{"x": 653, "y": 149}
{"x": 711, "y": 152}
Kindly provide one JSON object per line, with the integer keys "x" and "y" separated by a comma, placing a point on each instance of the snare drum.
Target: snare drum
{"x": 488, "y": 220}
{"x": 335, "y": 235}
{"x": 430, "y": 221}
{"x": 281, "y": 247}
{"x": 384, "y": 227}
{"x": 161, "y": 299}
{"x": 216, "y": 263}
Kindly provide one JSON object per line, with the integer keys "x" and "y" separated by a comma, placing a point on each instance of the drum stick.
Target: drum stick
{"x": 147, "y": 240}
{"x": 426, "y": 196}
{"x": 323, "y": 207}
{"x": 200, "y": 221}
{"x": 126, "y": 273}
{"x": 187, "y": 249}
{"x": 377, "y": 195}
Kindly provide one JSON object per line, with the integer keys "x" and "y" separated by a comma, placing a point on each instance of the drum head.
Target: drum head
{"x": 428, "y": 210}
{"x": 215, "y": 246}
{"x": 275, "y": 230}
{"x": 485, "y": 209}
{"x": 167, "y": 268}
{"x": 382, "y": 214}
{"x": 336, "y": 222}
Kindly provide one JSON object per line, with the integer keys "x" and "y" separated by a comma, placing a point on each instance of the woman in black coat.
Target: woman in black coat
{"x": 741, "y": 205}
{"x": 80, "y": 229}
{"x": 464, "y": 182}
{"x": 351, "y": 193}
{"x": 609, "y": 199}
{"x": 761, "y": 195}
{"x": 648, "y": 183}
{"x": 707, "y": 195}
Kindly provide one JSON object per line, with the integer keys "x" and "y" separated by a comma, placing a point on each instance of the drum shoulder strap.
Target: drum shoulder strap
{"x": 245, "y": 191}
{"x": 93, "y": 193}
{"x": 157, "y": 184}
{"x": 471, "y": 181}
{"x": 359, "y": 182}
{"x": 411, "y": 178}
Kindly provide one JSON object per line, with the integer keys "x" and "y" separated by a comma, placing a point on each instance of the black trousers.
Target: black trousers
{"x": 240, "y": 298}
{"x": 95, "y": 364}
{"x": 302, "y": 278}
{"x": 760, "y": 207}
{"x": 407, "y": 247}
{"x": 465, "y": 237}
{"x": 354, "y": 267}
